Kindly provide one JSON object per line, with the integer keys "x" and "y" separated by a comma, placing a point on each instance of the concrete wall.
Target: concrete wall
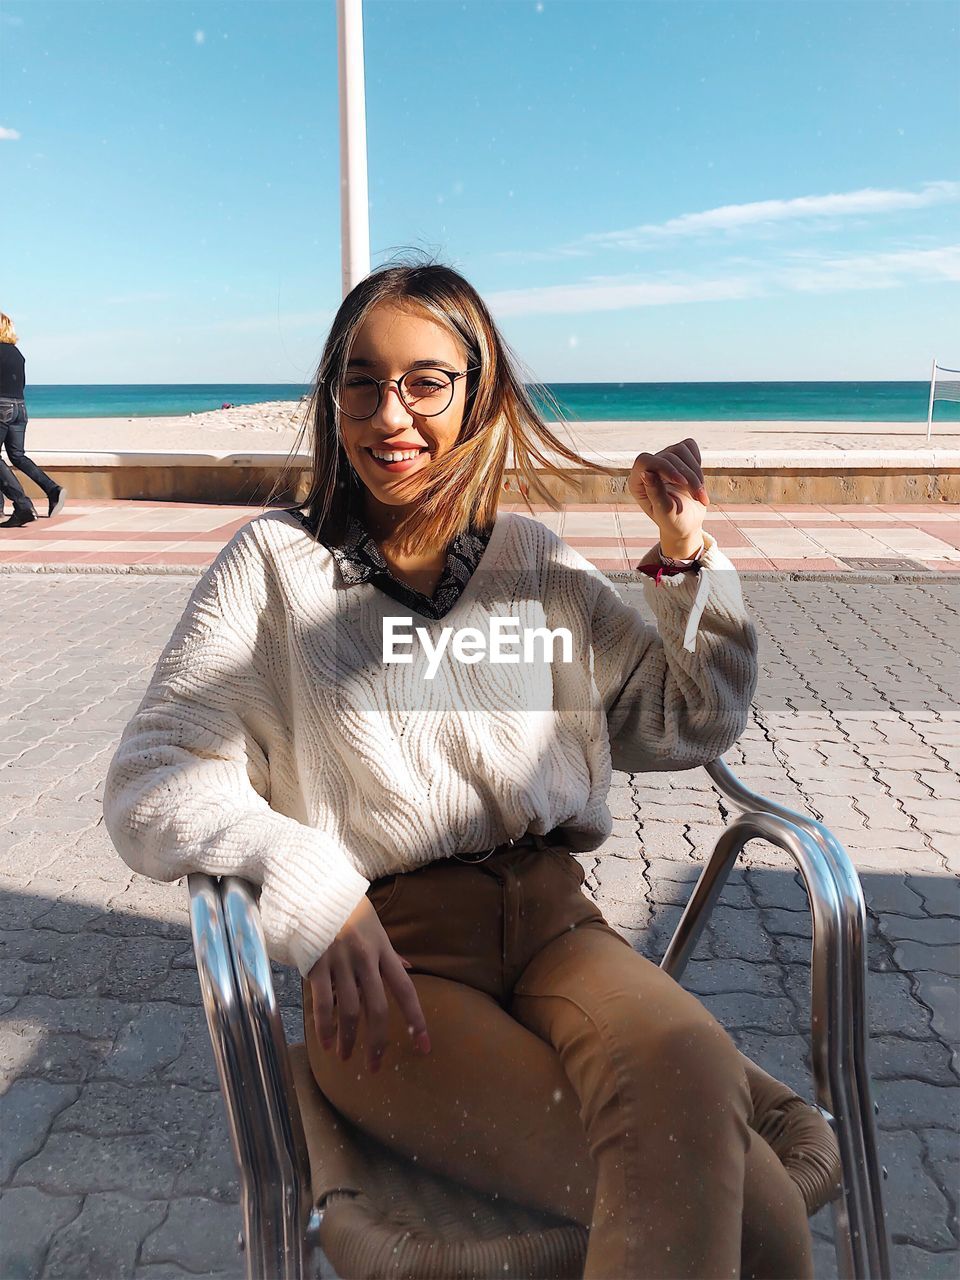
{"x": 182, "y": 481}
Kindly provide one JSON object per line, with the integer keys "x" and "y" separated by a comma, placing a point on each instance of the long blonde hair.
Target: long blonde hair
{"x": 7, "y": 331}
{"x": 462, "y": 486}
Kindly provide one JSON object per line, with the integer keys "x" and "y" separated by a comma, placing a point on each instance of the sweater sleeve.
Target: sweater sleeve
{"x": 677, "y": 694}
{"x": 188, "y": 788}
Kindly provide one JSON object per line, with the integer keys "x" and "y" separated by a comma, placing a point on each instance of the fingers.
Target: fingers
{"x": 662, "y": 465}
{"x": 685, "y": 456}
{"x": 659, "y": 493}
{"x": 321, "y": 993}
{"x": 373, "y": 995}
{"x": 679, "y": 465}
{"x": 339, "y": 992}
{"x": 652, "y": 479}
{"x": 377, "y": 1015}
{"x": 692, "y": 447}
{"x": 348, "y": 1004}
{"x": 407, "y": 999}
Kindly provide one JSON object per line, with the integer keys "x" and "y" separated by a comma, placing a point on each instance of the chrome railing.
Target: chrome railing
{"x": 250, "y": 1050}
{"x": 838, "y": 1022}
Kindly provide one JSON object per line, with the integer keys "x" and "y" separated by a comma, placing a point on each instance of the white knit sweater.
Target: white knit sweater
{"x": 274, "y": 743}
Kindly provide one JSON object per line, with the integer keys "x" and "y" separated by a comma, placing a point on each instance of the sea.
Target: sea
{"x": 579, "y": 401}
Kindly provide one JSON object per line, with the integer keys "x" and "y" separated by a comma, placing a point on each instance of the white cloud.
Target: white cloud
{"x": 9, "y": 135}
{"x": 618, "y": 294}
{"x": 801, "y": 273}
{"x": 757, "y": 216}
{"x": 733, "y": 217}
{"x": 823, "y": 274}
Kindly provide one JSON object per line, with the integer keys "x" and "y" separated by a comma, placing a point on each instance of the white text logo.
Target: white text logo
{"x": 469, "y": 644}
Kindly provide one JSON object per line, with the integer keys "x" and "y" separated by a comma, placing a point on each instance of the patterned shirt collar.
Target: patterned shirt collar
{"x": 359, "y": 559}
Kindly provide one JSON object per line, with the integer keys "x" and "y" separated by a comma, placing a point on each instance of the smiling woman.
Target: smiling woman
{"x": 276, "y": 743}
{"x": 416, "y": 408}
{"x": 400, "y": 424}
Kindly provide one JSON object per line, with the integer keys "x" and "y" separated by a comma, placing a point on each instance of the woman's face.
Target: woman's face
{"x": 390, "y": 342}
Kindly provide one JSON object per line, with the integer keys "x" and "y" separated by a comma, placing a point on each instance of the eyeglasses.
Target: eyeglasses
{"x": 426, "y": 392}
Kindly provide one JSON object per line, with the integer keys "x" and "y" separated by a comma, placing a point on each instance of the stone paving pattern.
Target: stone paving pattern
{"x": 115, "y": 1159}
{"x": 758, "y": 537}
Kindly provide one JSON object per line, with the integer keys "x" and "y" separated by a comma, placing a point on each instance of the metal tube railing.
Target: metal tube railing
{"x": 249, "y": 1046}
{"x": 837, "y": 1002}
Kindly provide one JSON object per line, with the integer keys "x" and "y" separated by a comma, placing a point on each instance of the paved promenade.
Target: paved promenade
{"x": 759, "y": 538}
{"x": 115, "y": 1160}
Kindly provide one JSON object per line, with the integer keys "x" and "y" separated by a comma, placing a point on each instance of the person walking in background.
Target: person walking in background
{"x": 13, "y": 430}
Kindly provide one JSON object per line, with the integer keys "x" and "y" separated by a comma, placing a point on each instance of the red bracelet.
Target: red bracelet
{"x": 668, "y": 566}
{"x": 659, "y": 571}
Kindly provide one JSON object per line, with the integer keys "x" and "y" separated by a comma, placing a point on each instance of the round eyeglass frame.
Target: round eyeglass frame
{"x": 382, "y": 381}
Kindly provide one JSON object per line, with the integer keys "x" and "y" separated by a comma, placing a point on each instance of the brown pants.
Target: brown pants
{"x": 569, "y": 1073}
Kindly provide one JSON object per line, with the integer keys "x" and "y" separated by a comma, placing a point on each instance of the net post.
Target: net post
{"x": 933, "y": 384}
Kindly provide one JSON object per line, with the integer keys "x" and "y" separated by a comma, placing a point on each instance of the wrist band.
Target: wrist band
{"x": 659, "y": 571}
{"x": 671, "y": 563}
{"x": 669, "y": 566}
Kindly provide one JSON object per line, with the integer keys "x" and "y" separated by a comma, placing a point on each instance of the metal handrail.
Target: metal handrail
{"x": 250, "y": 1050}
{"x": 263, "y": 1114}
{"x": 838, "y": 1024}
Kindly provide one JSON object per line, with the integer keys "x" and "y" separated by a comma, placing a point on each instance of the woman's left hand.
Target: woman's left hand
{"x": 669, "y": 488}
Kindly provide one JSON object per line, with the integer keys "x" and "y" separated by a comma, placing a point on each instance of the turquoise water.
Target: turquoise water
{"x": 580, "y": 401}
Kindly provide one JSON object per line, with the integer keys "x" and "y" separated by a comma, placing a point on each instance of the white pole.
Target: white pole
{"x": 933, "y": 383}
{"x": 354, "y": 214}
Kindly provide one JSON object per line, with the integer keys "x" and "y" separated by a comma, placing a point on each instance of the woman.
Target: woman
{"x": 13, "y": 428}
{"x": 412, "y": 833}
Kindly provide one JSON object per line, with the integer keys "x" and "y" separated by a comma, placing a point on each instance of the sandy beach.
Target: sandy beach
{"x": 272, "y": 427}
{"x": 269, "y": 427}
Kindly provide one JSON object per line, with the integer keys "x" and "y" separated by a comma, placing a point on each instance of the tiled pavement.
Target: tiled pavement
{"x": 115, "y": 1160}
{"x": 758, "y": 538}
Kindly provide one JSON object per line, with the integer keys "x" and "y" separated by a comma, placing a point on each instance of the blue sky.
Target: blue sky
{"x": 641, "y": 190}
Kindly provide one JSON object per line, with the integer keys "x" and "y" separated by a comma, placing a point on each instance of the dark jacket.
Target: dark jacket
{"x": 11, "y": 372}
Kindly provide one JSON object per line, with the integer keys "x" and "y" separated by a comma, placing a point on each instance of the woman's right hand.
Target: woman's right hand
{"x": 358, "y": 967}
